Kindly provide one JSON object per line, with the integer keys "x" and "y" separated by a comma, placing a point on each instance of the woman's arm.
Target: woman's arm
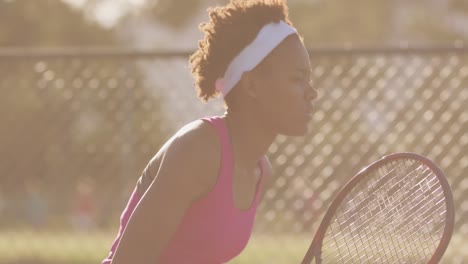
{"x": 187, "y": 171}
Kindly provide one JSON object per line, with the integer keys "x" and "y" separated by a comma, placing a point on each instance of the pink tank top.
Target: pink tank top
{"x": 213, "y": 230}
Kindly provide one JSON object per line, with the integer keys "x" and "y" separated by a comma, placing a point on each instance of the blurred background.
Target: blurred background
{"x": 90, "y": 89}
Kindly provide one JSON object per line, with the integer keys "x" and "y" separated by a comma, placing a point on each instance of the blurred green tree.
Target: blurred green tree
{"x": 359, "y": 22}
{"x": 68, "y": 118}
{"x": 440, "y": 21}
{"x": 175, "y": 13}
{"x": 49, "y": 23}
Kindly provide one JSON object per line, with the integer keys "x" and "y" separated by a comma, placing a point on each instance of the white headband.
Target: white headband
{"x": 270, "y": 36}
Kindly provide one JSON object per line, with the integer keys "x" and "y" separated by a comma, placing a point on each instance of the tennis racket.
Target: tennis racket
{"x": 399, "y": 209}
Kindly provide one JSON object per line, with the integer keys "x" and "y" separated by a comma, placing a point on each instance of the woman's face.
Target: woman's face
{"x": 284, "y": 99}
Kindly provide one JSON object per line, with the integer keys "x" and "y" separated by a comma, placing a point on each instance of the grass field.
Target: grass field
{"x": 22, "y": 247}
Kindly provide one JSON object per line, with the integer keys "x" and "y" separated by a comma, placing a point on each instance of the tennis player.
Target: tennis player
{"x": 195, "y": 202}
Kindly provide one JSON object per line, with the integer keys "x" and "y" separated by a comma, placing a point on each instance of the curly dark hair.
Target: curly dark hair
{"x": 229, "y": 30}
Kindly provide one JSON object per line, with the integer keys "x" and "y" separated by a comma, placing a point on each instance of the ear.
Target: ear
{"x": 250, "y": 85}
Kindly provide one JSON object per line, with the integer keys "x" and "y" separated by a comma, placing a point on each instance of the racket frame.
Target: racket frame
{"x": 315, "y": 249}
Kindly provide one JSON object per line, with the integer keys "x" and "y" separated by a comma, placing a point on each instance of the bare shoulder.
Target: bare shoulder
{"x": 191, "y": 157}
{"x": 196, "y": 133}
{"x": 197, "y": 137}
{"x": 184, "y": 169}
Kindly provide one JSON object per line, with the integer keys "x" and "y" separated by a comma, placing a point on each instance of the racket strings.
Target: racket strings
{"x": 423, "y": 243}
{"x": 371, "y": 209}
{"x": 368, "y": 194}
{"x": 349, "y": 216}
{"x": 385, "y": 234}
{"x": 398, "y": 211}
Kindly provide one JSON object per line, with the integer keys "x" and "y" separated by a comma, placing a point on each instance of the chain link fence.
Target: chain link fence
{"x": 78, "y": 126}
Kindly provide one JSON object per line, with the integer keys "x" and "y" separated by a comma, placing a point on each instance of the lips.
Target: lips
{"x": 308, "y": 113}
{"x": 310, "y": 110}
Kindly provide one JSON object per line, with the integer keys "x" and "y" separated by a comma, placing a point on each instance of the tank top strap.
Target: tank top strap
{"x": 226, "y": 149}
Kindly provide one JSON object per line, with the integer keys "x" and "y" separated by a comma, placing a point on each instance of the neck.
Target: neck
{"x": 249, "y": 137}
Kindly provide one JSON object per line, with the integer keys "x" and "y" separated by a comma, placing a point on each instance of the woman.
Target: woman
{"x": 196, "y": 199}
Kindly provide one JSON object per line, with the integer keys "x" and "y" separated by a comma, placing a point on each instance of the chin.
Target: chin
{"x": 296, "y": 131}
